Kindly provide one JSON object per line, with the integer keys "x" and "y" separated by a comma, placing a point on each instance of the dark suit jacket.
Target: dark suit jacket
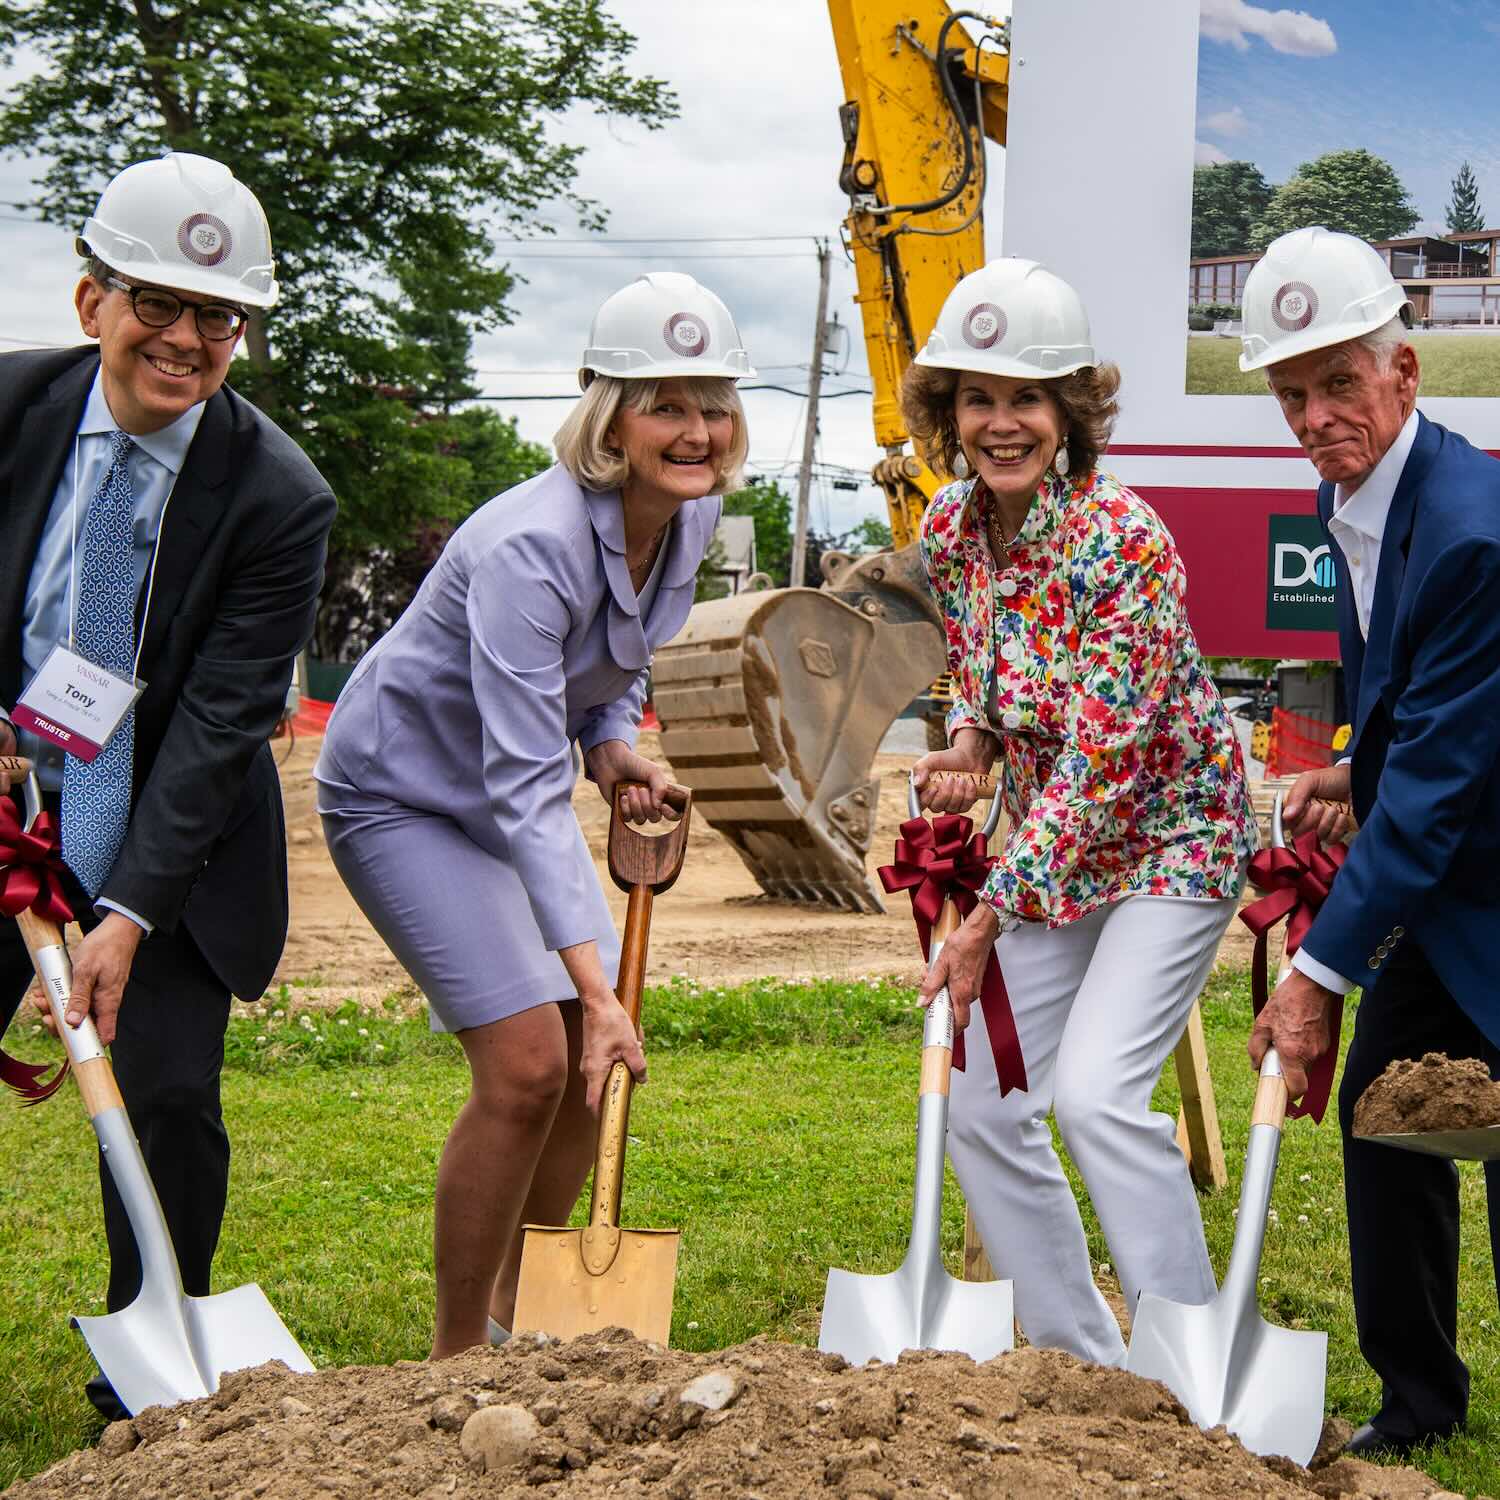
{"x": 240, "y": 565}
{"x": 1424, "y": 700}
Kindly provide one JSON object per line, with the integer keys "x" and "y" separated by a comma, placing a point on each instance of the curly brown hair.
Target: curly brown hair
{"x": 1086, "y": 398}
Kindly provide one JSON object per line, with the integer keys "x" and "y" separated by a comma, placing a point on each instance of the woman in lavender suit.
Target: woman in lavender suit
{"x": 446, "y": 779}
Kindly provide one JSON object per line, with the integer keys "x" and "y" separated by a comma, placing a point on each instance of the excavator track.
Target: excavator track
{"x": 772, "y": 706}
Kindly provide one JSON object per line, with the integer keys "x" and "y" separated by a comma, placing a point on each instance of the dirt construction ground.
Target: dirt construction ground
{"x": 715, "y": 924}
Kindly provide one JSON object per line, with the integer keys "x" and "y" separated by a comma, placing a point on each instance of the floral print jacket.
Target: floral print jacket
{"x": 1119, "y": 769}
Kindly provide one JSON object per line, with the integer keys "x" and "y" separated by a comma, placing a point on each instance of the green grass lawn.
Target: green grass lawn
{"x": 1453, "y": 364}
{"x": 776, "y": 1132}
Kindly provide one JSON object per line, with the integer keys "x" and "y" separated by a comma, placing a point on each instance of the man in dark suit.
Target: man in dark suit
{"x": 159, "y": 526}
{"x": 1412, "y": 517}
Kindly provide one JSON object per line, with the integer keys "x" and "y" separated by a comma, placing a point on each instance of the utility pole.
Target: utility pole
{"x": 810, "y": 436}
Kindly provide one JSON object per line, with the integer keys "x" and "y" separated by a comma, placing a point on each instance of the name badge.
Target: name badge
{"x": 75, "y": 704}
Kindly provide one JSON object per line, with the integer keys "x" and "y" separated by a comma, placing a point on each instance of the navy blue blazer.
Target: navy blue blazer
{"x": 1424, "y": 700}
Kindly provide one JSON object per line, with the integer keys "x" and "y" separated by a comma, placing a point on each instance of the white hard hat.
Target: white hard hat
{"x": 663, "y": 325}
{"x": 1011, "y": 317}
{"x": 186, "y": 223}
{"x": 1314, "y": 288}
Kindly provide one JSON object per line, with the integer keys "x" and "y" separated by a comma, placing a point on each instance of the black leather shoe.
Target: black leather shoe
{"x": 102, "y": 1396}
{"x": 1369, "y": 1441}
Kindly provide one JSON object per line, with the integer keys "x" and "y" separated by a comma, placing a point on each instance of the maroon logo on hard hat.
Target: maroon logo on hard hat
{"x": 204, "y": 239}
{"x": 1294, "y": 306}
{"x": 984, "y": 326}
{"x": 686, "y": 335}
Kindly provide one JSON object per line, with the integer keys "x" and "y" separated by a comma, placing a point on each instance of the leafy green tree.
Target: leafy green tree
{"x": 1354, "y": 191}
{"x": 1227, "y": 200}
{"x": 872, "y": 534}
{"x": 391, "y": 142}
{"x": 771, "y": 508}
{"x": 1464, "y": 212}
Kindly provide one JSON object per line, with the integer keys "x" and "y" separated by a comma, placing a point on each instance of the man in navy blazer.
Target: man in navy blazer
{"x": 1412, "y": 516}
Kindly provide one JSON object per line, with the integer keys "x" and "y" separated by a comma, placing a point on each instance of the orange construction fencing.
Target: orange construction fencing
{"x": 1298, "y": 743}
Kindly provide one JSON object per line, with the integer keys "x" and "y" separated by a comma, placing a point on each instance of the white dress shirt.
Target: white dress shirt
{"x": 1358, "y": 520}
{"x": 1358, "y": 526}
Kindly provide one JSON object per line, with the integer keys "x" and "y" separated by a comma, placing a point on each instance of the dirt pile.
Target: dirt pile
{"x": 609, "y": 1415}
{"x": 1437, "y": 1093}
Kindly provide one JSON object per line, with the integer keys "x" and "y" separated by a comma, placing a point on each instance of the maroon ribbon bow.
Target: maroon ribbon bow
{"x": 1295, "y": 881}
{"x": 30, "y": 880}
{"x": 946, "y": 860}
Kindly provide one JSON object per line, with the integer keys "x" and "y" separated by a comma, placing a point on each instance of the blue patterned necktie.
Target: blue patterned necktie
{"x": 96, "y": 796}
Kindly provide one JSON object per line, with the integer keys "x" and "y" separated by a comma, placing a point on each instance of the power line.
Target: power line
{"x": 573, "y": 395}
{"x": 663, "y": 255}
{"x": 660, "y": 239}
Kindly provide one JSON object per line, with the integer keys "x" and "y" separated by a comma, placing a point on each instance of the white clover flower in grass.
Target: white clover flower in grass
{"x": 343, "y": 1020}
{"x": 363, "y": 1031}
{"x": 1305, "y": 1177}
{"x": 1302, "y": 1219}
{"x": 260, "y": 1039}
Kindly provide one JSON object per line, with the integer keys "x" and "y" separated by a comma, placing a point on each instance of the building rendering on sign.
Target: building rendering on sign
{"x": 1452, "y": 280}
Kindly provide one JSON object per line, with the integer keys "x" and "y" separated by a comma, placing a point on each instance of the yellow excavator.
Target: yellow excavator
{"x": 772, "y": 704}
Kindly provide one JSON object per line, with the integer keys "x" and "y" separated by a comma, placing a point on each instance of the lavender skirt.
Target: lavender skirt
{"x": 456, "y": 917}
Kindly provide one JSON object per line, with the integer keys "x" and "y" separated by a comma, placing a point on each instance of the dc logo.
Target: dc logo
{"x": 1295, "y": 565}
{"x": 1294, "y": 306}
{"x": 983, "y": 326}
{"x": 204, "y": 239}
{"x": 686, "y": 335}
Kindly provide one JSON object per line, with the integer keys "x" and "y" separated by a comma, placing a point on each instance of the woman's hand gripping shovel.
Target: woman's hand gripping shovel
{"x": 576, "y": 1281}
{"x": 922, "y": 1306}
{"x": 1223, "y": 1361}
{"x": 166, "y": 1346}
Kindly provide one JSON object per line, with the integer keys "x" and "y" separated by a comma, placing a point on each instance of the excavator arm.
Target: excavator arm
{"x": 773, "y": 704}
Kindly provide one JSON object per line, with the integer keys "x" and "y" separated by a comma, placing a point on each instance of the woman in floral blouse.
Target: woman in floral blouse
{"x": 1077, "y": 682}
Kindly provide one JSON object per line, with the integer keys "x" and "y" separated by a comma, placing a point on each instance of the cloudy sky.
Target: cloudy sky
{"x": 755, "y": 153}
{"x": 1412, "y": 83}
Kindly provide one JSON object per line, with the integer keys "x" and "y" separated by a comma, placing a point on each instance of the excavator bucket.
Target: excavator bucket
{"x": 772, "y": 706}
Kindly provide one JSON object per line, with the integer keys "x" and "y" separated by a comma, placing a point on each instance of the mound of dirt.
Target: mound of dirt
{"x": 1438, "y": 1093}
{"x": 609, "y": 1415}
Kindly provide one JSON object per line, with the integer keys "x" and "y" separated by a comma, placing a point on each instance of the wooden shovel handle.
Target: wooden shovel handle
{"x": 96, "y": 1079}
{"x": 983, "y": 786}
{"x": 637, "y": 858}
{"x": 614, "y": 1114}
{"x": 937, "y": 1059}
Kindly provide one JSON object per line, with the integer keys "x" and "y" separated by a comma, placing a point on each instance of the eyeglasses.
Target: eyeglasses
{"x": 155, "y": 308}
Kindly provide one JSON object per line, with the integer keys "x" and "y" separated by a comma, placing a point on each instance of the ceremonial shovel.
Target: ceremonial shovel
{"x": 166, "y": 1346}
{"x": 580, "y": 1280}
{"x": 921, "y": 1306}
{"x": 1223, "y": 1361}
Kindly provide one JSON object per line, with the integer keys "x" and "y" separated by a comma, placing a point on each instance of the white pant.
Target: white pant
{"x": 1099, "y": 1005}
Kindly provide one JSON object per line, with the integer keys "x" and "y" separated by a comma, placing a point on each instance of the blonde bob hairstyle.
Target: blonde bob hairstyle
{"x": 1087, "y": 399}
{"x": 582, "y": 441}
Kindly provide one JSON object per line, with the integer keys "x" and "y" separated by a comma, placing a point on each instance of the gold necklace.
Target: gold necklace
{"x": 995, "y": 529}
{"x": 648, "y": 551}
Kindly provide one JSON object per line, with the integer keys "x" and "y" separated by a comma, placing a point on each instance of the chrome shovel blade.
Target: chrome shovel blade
{"x": 1264, "y": 1383}
{"x": 1479, "y": 1143}
{"x": 157, "y": 1354}
{"x": 876, "y": 1317}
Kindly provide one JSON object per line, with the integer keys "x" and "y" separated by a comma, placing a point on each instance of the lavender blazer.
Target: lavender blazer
{"x": 525, "y": 637}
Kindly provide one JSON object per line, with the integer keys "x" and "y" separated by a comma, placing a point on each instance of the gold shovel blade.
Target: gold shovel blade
{"x": 581, "y": 1280}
